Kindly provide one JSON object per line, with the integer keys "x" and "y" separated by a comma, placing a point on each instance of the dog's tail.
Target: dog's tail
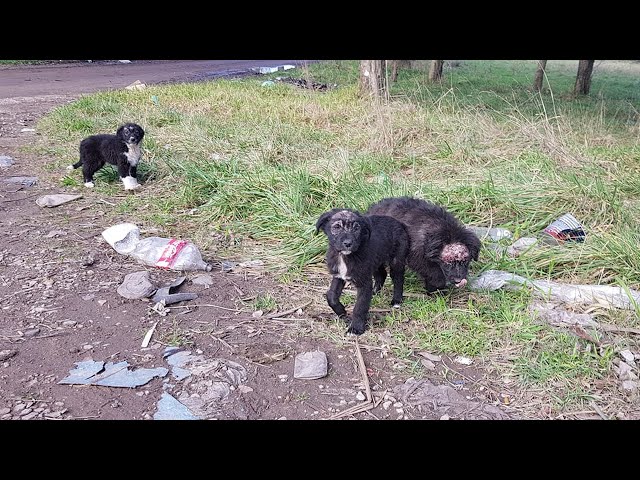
{"x": 78, "y": 164}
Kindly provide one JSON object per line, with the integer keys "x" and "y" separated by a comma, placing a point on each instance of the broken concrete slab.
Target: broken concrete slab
{"x": 136, "y": 285}
{"x": 90, "y": 372}
{"x": 445, "y": 400}
{"x": 310, "y": 365}
{"x": 56, "y": 199}
{"x": 171, "y": 409}
{"x": 25, "y": 181}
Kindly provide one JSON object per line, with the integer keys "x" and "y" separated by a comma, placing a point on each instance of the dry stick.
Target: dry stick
{"x": 612, "y": 328}
{"x": 17, "y": 293}
{"x": 363, "y": 371}
{"x": 208, "y": 305}
{"x": 598, "y": 411}
{"x": 287, "y": 312}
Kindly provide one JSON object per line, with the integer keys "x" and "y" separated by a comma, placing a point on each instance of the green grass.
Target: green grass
{"x": 257, "y": 166}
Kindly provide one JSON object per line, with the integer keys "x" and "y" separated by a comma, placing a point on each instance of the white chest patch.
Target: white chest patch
{"x": 134, "y": 153}
{"x": 342, "y": 269}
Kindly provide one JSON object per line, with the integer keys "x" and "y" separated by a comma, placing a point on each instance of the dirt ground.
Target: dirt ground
{"x": 59, "y": 306}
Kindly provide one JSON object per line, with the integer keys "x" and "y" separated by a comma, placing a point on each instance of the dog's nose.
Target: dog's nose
{"x": 347, "y": 243}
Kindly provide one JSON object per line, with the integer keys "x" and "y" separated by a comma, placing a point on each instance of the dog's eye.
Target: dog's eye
{"x": 335, "y": 227}
{"x": 356, "y": 227}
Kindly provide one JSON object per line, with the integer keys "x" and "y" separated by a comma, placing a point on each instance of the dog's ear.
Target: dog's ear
{"x": 473, "y": 243}
{"x": 323, "y": 219}
{"x": 120, "y": 130}
{"x": 366, "y": 226}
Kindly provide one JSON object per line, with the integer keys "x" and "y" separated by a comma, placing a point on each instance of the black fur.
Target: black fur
{"x": 363, "y": 246}
{"x": 121, "y": 150}
{"x": 431, "y": 229}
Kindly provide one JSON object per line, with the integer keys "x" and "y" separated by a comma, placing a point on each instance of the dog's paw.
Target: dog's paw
{"x": 395, "y": 305}
{"x": 356, "y": 329}
{"x": 89, "y": 184}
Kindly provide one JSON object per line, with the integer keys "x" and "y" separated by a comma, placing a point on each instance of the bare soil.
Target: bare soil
{"x": 58, "y": 300}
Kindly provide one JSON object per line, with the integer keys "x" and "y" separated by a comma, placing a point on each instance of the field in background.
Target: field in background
{"x": 245, "y": 170}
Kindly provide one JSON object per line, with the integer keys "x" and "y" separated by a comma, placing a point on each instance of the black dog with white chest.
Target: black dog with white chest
{"x": 121, "y": 150}
{"x": 359, "y": 249}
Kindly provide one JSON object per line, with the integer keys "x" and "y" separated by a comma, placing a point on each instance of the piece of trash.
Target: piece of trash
{"x": 257, "y": 313}
{"x": 26, "y": 181}
{"x": 7, "y": 354}
{"x": 288, "y": 67}
{"x": 136, "y": 285}
{"x": 521, "y": 245}
{"x": 557, "y": 316}
{"x": 251, "y": 264}
{"x": 463, "y": 360}
{"x": 165, "y": 253}
{"x": 605, "y": 295}
{"x": 56, "y": 199}
{"x": 165, "y": 294}
{"x": 112, "y": 374}
{"x": 124, "y": 61}
{"x": 310, "y": 365}
{"x": 28, "y": 130}
{"x": 566, "y": 228}
{"x": 154, "y": 99}
{"x": 137, "y": 85}
{"x": 228, "y": 266}
{"x": 5, "y": 161}
{"x": 265, "y": 70}
{"x": 630, "y": 385}
{"x": 101, "y": 302}
{"x": 202, "y": 279}
{"x": 171, "y": 409}
{"x": 267, "y": 83}
{"x": 495, "y": 234}
{"x": 625, "y": 372}
{"x": 147, "y": 337}
{"x": 160, "y": 309}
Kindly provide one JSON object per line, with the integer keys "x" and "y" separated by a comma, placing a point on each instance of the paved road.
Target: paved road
{"x": 75, "y": 78}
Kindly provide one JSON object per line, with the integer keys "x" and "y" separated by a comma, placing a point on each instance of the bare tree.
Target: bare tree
{"x": 372, "y": 78}
{"x": 397, "y": 65}
{"x": 435, "y": 71}
{"x": 583, "y": 79}
{"x": 537, "y": 80}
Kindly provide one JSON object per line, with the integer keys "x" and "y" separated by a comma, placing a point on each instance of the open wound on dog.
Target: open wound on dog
{"x": 130, "y": 183}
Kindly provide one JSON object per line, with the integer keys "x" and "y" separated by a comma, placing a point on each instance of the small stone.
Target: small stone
{"x": 30, "y": 416}
{"x": 202, "y": 279}
{"x": 5, "y": 161}
{"x": 386, "y": 405}
{"x": 360, "y": 396}
{"x": 283, "y": 378}
{"x": 400, "y": 410}
{"x": 6, "y": 416}
{"x": 282, "y": 418}
{"x": 19, "y": 407}
{"x": 102, "y": 302}
{"x": 7, "y": 354}
{"x": 5, "y": 410}
{"x": 628, "y": 356}
{"x": 257, "y": 313}
{"x": 135, "y": 286}
{"x": 445, "y": 417}
{"x": 310, "y": 365}
{"x": 244, "y": 389}
{"x": 629, "y": 385}
{"x": 26, "y": 411}
{"x": 140, "y": 394}
{"x": 32, "y": 332}
{"x": 397, "y": 404}
{"x": 463, "y": 360}
{"x": 69, "y": 323}
{"x": 428, "y": 364}
{"x": 430, "y": 356}
{"x": 91, "y": 296}
{"x": 87, "y": 347}
{"x": 59, "y": 404}
{"x": 625, "y": 372}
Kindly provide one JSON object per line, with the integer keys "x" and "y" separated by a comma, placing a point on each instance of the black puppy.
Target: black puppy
{"x": 359, "y": 248}
{"x": 121, "y": 150}
{"x": 441, "y": 246}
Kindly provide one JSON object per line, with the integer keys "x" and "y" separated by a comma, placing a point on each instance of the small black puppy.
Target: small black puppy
{"x": 359, "y": 248}
{"x": 121, "y": 149}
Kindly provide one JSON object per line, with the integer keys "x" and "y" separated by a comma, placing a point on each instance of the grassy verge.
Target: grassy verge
{"x": 245, "y": 170}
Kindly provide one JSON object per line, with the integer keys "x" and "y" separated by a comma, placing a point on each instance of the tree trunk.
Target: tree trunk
{"x": 435, "y": 71}
{"x": 372, "y": 78}
{"x": 537, "y": 80}
{"x": 583, "y": 79}
{"x": 394, "y": 70}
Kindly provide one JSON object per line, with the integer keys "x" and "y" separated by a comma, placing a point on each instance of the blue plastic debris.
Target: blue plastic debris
{"x": 171, "y": 409}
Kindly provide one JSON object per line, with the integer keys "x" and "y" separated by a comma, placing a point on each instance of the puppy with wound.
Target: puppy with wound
{"x": 360, "y": 248}
{"x": 122, "y": 150}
